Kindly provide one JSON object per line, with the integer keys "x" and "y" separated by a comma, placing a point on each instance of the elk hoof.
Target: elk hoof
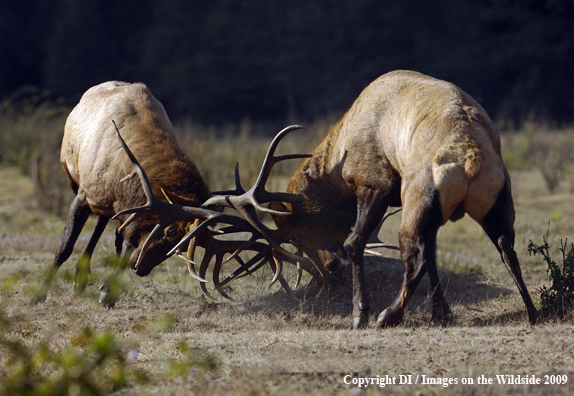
{"x": 534, "y": 317}
{"x": 389, "y": 318}
{"x": 361, "y": 321}
{"x": 442, "y": 316}
{"x": 80, "y": 286}
{"x": 107, "y": 300}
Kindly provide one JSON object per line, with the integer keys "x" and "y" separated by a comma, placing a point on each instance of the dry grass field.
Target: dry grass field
{"x": 264, "y": 343}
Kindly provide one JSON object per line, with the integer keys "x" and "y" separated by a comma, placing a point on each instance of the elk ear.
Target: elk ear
{"x": 279, "y": 207}
{"x": 173, "y": 198}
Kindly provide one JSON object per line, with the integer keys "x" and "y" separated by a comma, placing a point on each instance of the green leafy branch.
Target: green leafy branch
{"x": 559, "y": 296}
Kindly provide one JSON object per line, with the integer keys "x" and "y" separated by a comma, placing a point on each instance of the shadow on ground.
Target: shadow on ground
{"x": 384, "y": 278}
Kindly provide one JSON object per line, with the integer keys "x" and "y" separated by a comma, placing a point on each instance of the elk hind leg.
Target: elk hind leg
{"x": 422, "y": 216}
{"x": 498, "y": 225}
{"x": 77, "y": 217}
{"x": 441, "y": 312}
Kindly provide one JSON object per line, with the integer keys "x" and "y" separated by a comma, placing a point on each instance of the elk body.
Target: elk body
{"x": 413, "y": 141}
{"x": 96, "y": 166}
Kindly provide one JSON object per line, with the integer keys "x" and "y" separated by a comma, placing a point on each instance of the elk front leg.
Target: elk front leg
{"x": 371, "y": 206}
{"x": 83, "y": 265}
{"x": 77, "y": 217}
{"x": 111, "y": 289}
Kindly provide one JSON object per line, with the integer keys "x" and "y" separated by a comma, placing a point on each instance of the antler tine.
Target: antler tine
{"x": 379, "y": 244}
{"x": 238, "y": 188}
{"x": 191, "y": 254}
{"x": 261, "y": 263}
{"x": 128, "y": 221}
{"x": 287, "y": 289}
{"x": 299, "y": 275}
{"x": 258, "y": 190}
{"x": 283, "y": 282}
{"x": 216, "y": 272}
{"x": 389, "y": 214}
{"x": 299, "y": 268}
{"x": 241, "y": 248}
{"x": 193, "y": 241}
{"x": 190, "y": 266}
{"x": 270, "y": 160}
{"x": 152, "y": 200}
{"x": 244, "y": 269}
{"x": 156, "y": 230}
{"x": 278, "y": 270}
{"x": 203, "y": 271}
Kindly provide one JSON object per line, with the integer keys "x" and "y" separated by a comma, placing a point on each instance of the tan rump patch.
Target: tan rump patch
{"x": 463, "y": 152}
{"x": 454, "y": 167}
{"x": 471, "y": 158}
{"x": 452, "y": 186}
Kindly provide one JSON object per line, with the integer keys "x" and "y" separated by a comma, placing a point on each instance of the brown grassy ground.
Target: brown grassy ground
{"x": 267, "y": 344}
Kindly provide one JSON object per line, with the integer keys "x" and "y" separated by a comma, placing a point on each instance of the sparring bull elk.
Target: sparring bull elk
{"x": 101, "y": 175}
{"x": 413, "y": 141}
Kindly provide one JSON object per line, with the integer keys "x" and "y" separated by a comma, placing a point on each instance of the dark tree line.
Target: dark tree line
{"x": 224, "y": 60}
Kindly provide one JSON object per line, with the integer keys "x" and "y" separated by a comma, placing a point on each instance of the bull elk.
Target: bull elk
{"x": 409, "y": 140}
{"x": 96, "y": 167}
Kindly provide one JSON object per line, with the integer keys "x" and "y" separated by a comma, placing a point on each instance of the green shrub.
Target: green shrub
{"x": 91, "y": 364}
{"x": 560, "y": 296}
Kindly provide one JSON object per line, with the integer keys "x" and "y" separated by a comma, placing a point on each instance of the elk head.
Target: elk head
{"x": 147, "y": 253}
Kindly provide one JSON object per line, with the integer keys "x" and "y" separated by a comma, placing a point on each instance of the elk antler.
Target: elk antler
{"x": 246, "y": 202}
{"x": 257, "y": 194}
{"x": 370, "y": 246}
{"x": 242, "y": 202}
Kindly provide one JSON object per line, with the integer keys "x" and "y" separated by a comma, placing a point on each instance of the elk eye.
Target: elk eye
{"x": 171, "y": 232}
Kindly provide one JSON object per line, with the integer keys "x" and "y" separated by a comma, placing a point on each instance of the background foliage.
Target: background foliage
{"x": 218, "y": 61}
